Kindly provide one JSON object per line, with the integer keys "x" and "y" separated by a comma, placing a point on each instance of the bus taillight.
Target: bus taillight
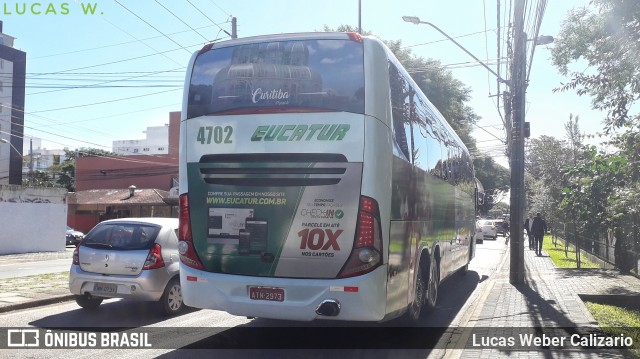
{"x": 355, "y": 36}
{"x": 367, "y": 244}
{"x": 188, "y": 255}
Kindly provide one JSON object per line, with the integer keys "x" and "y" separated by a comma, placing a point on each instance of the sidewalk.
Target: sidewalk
{"x": 549, "y": 299}
{"x": 31, "y": 291}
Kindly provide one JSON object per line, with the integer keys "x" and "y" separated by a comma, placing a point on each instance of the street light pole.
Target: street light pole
{"x": 416, "y": 20}
{"x": 359, "y": 16}
{"x": 4, "y": 140}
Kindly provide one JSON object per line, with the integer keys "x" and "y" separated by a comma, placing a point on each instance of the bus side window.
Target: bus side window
{"x": 420, "y": 134}
{"x": 398, "y": 110}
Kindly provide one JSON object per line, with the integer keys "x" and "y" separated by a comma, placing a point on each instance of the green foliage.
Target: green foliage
{"x": 68, "y": 167}
{"x": 618, "y": 321}
{"x": 606, "y": 37}
{"x": 545, "y": 160}
{"x": 602, "y": 190}
{"x": 42, "y": 179}
{"x": 445, "y": 92}
{"x": 494, "y": 178}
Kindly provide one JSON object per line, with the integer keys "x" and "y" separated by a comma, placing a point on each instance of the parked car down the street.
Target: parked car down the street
{"x": 499, "y": 223}
{"x": 73, "y": 236}
{"x": 131, "y": 258}
{"x": 488, "y": 228}
{"x": 478, "y": 233}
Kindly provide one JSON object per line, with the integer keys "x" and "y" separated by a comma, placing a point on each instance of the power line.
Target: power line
{"x": 102, "y": 102}
{"x": 142, "y": 42}
{"x": 118, "y": 158}
{"x": 446, "y": 40}
{"x": 98, "y": 85}
{"x": 84, "y": 120}
{"x": 221, "y": 9}
{"x": 114, "y": 45}
{"x": 176, "y": 16}
{"x": 205, "y": 15}
{"x": 143, "y": 20}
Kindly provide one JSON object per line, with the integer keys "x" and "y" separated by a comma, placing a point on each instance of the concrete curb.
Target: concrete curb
{"x": 36, "y": 303}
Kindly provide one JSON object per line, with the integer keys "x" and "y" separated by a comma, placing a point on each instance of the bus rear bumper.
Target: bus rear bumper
{"x": 361, "y": 298}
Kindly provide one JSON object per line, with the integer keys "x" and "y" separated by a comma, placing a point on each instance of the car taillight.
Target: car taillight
{"x": 76, "y": 256}
{"x": 366, "y": 254}
{"x": 188, "y": 255}
{"x": 154, "y": 258}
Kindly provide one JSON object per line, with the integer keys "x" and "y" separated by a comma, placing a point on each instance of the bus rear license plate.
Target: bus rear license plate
{"x": 265, "y": 293}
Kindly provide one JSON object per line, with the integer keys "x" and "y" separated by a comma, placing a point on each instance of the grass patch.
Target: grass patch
{"x": 616, "y": 320}
{"x": 561, "y": 260}
{"x": 40, "y": 278}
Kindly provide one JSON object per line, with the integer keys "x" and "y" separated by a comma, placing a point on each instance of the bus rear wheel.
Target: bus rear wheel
{"x": 431, "y": 296}
{"x": 415, "y": 310}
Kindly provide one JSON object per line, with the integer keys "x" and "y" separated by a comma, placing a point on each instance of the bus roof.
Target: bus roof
{"x": 288, "y": 36}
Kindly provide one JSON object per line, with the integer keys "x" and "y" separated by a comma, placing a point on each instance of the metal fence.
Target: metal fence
{"x": 601, "y": 245}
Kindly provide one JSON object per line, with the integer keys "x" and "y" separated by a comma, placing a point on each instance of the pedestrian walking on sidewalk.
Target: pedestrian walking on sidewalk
{"x": 527, "y": 228}
{"x": 505, "y": 228}
{"x": 538, "y": 229}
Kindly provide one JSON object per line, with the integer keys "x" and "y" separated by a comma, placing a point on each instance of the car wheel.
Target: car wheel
{"x": 495, "y": 237}
{"x": 88, "y": 301}
{"x": 171, "y": 302}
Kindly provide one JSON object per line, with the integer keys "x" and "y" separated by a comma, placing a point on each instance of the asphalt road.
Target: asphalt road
{"x": 195, "y": 333}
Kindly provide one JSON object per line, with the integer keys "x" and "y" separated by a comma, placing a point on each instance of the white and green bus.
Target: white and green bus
{"x": 317, "y": 181}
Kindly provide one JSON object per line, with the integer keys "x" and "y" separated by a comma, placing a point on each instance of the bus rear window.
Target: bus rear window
{"x": 322, "y": 75}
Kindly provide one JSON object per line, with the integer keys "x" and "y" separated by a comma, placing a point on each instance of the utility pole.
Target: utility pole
{"x": 75, "y": 171}
{"x": 518, "y": 87}
{"x": 234, "y": 28}
{"x": 30, "y": 162}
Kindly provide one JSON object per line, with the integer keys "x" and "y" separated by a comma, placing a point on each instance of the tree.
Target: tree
{"x": 445, "y": 92}
{"x": 606, "y": 36}
{"x": 495, "y": 180}
{"x": 68, "y": 167}
{"x": 604, "y": 187}
{"x": 546, "y": 160}
{"x": 42, "y": 179}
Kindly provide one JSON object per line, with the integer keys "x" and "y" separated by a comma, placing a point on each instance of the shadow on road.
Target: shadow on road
{"x": 267, "y": 338}
{"x": 110, "y": 316}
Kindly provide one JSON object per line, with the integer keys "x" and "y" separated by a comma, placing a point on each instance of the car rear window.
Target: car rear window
{"x": 122, "y": 236}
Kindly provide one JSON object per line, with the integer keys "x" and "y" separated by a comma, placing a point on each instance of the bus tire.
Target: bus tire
{"x": 464, "y": 270}
{"x": 432, "y": 286}
{"x": 415, "y": 310}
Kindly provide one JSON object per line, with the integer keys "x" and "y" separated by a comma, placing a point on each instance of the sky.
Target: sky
{"x": 96, "y": 78}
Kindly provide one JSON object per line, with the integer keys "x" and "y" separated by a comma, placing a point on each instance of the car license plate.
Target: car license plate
{"x": 105, "y": 288}
{"x": 266, "y": 293}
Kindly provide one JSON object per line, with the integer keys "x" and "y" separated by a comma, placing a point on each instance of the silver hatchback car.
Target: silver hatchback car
{"x": 132, "y": 258}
